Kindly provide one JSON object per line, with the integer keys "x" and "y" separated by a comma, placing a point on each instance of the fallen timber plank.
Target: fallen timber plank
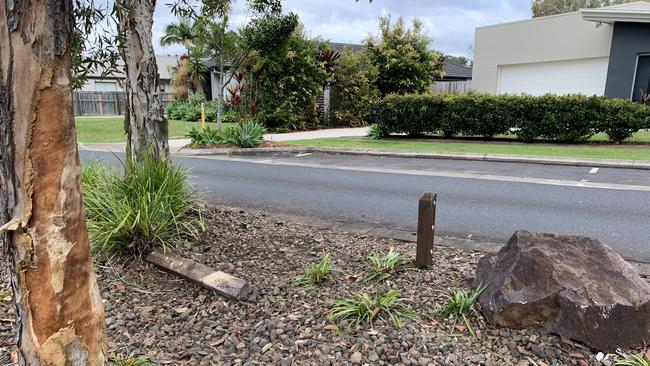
{"x": 221, "y": 282}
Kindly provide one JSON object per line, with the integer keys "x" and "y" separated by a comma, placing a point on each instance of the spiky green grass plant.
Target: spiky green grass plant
{"x": 632, "y": 360}
{"x": 382, "y": 267}
{"x": 317, "y": 273}
{"x": 365, "y": 309}
{"x": 461, "y": 305}
{"x": 131, "y": 361}
{"x": 151, "y": 204}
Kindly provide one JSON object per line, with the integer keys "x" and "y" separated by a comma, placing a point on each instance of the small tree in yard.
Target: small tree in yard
{"x": 403, "y": 58}
{"x": 354, "y": 88}
{"x": 59, "y": 312}
{"x": 268, "y": 30}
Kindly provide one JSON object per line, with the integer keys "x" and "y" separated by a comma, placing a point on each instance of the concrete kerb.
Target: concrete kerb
{"x": 404, "y": 235}
{"x": 585, "y": 162}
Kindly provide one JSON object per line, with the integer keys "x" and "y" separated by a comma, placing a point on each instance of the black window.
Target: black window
{"x": 642, "y": 79}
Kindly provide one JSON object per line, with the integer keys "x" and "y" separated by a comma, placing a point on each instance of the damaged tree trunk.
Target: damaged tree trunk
{"x": 144, "y": 123}
{"x": 59, "y": 312}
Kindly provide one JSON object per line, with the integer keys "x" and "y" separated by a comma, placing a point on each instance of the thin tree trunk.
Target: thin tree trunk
{"x": 59, "y": 312}
{"x": 145, "y": 123}
{"x": 220, "y": 87}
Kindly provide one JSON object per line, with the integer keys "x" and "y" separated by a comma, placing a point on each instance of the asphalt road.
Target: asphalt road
{"x": 481, "y": 200}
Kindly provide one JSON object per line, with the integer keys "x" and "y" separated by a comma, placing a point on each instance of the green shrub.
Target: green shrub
{"x": 353, "y": 90}
{"x": 249, "y": 134}
{"x": 152, "y": 204}
{"x": 204, "y": 136}
{"x": 567, "y": 119}
{"x": 375, "y": 132}
{"x": 174, "y": 110}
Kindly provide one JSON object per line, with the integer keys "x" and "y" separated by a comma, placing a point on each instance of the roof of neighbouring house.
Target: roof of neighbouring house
{"x": 165, "y": 67}
{"x": 454, "y": 70}
{"x": 637, "y": 12}
{"x": 336, "y": 46}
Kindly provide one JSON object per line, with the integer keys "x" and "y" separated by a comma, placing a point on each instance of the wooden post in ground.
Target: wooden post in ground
{"x": 203, "y": 116}
{"x": 426, "y": 229}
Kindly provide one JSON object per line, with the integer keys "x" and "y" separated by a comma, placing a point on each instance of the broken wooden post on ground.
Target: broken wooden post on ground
{"x": 223, "y": 283}
{"x": 426, "y": 229}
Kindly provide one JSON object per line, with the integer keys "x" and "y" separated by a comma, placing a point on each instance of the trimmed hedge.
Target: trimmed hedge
{"x": 568, "y": 119}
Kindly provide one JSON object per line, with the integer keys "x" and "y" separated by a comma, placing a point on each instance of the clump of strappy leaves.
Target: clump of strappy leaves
{"x": 318, "y": 273}
{"x": 363, "y": 308}
{"x": 131, "y": 361}
{"x": 461, "y": 305}
{"x": 382, "y": 267}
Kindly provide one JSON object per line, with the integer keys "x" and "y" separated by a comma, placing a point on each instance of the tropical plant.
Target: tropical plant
{"x": 382, "y": 267}
{"x": 249, "y": 134}
{"x": 461, "y": 305}
{"x": 318, "y": 273}
{"x": 183, "y": 33}
{"x": 329, "y": 58}
{"x": 403, "y": 58}
{"x": 362, "y": 309}
{"x": 151, "y": 205}
{"x": 375, "y": 132}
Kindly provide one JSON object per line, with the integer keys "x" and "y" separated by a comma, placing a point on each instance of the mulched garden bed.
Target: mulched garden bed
{"x": 150, "y": 312}
{"x": 234, "y": 146}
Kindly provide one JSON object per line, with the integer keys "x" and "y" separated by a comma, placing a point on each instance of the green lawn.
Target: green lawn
{"x": 634, "y": 152}
{"x": 110, "y": 129}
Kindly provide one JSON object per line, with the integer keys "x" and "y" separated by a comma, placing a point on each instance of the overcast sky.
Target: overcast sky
{"x": 450, "y": 23}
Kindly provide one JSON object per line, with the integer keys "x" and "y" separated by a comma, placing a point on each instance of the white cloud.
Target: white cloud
{"x": 450, "y": 23}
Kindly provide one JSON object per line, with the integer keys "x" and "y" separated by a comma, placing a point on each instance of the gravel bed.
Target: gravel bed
{"x": 150, "y": 312}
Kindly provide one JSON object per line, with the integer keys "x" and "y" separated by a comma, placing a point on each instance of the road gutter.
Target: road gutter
{"x": 526, "y": 159}
{"x": 404, "y": 235}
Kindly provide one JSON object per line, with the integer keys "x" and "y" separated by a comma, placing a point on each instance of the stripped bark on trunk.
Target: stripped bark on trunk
{"x": 144, "y": 123}
{"x": 59, "y": 312}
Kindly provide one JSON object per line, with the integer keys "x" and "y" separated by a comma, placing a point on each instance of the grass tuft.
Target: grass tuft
{"x": 382, "y": 267}
{"x": 364, "y": 309}
{"x": 461, "y": 305}
{"x": 152, "y": 204}
{"x": 632, "y": 360}
{"x": 131, "y": 361}
{"x": 317, "y": 273}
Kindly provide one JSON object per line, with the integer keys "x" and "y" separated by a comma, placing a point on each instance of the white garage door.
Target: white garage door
{"x": 585, "y": 76}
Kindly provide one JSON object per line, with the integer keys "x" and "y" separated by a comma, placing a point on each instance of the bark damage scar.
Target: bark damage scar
{"x": 64, "y": 348}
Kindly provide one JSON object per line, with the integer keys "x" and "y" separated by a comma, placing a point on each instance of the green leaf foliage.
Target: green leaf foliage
{"x": 354, "y": 88}
{"x": 363, "y": 308}
{"x": 287, "y": 83}
{"x": 152, "y": 204}
{"x": 566, "y": 119}
{"x": 403, "y": 58}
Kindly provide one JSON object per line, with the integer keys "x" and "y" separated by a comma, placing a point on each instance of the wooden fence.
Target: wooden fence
{"x": 452, "y": 87}
{"x": 105, "y": 103}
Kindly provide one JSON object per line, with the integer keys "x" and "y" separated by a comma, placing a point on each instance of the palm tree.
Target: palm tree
{"x": 182, "y": 32}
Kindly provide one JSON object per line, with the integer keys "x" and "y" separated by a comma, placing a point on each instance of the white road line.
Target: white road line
{"x": 431, "y": 173}
{"x": 301, "y": 155}
{"x": 594, "y": 170}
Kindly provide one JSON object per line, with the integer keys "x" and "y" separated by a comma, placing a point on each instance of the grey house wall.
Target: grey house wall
{"x": 628, "y": 42}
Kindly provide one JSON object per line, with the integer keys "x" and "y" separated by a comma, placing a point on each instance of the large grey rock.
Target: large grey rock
{"x": 567, "y": 285}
